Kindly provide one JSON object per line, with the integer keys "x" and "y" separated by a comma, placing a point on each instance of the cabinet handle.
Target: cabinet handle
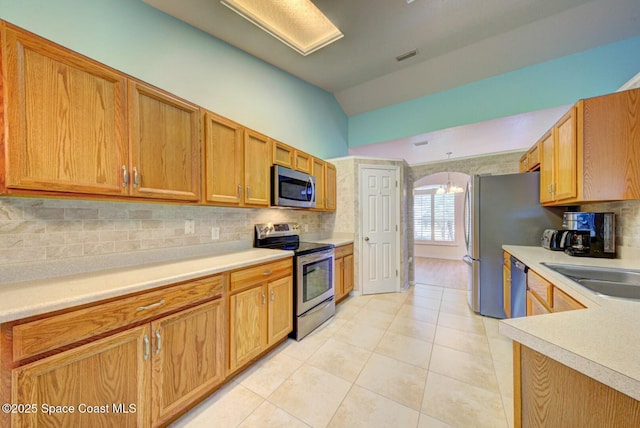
{"x": 267, "y": 272}
{"x": 125, "y": 176}
{"x": 264, "y": 299}
{"x": 158, "y": 341}
{"x": 248, "y": 192}
{"x": 273, "y": 296}
{"x": 153, "y": 306}
{"x": 147, "y": 347}
{"x": 136, "y": 177}
{"x": 239, "y": 190}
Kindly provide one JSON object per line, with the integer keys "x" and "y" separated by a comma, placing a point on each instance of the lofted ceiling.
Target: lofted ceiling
{"x": 457, "y": 42}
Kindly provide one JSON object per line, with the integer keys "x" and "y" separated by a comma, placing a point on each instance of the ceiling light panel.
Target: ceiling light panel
{"x": 297, "y": 23}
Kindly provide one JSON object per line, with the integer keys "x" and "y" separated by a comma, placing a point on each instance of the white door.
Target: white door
{"x": 380, "y": 211}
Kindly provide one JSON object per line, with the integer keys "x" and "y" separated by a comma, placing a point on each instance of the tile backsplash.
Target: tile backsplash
{"x": 54, "y": 229}
{"x": 627, "y": 220}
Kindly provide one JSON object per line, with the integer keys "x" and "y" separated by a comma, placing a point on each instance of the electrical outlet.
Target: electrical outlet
{"x": 215, "y": 233}
{"x": 189, "y": 227}
{"x": 306, "y": 227}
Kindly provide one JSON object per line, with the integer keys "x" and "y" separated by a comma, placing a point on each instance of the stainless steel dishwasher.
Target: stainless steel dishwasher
{"x": 518, "y": 288}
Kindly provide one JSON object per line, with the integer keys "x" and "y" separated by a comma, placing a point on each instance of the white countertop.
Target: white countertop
{"x": 28, "y": 298}
{"x": 602, "y": 341}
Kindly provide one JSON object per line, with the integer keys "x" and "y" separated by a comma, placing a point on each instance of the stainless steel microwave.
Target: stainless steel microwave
{"x": 291, "y": 188}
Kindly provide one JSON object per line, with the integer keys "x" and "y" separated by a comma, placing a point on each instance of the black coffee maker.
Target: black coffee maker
{"x": 590, "y": 234}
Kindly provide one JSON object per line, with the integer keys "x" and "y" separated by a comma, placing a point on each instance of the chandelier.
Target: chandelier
{"x": 450, "y": 187}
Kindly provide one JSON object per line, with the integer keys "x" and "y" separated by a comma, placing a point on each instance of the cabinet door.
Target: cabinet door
{"x": 113, "y": 372}
{"x": 338, "y": 278}
{"x": 534, "y": 307}
{"x": 280, "y": 308}
{"x": 347, "y": 278}
{"x": 318, "y": 172}
{"x": 303, "y": 162}
{"x": 546, "y": 167}
{"x": 563, "y": 302}
{"x": 165, "y": 145}
{"x": 566, "y": 157}
{"x": 66, "y": 118}
{"x": 222, "y": 160}
{"x": 330, "y": 187}
{"x": 282, "y": 154}
{"x": 506, "y": 285}
{"x": 257, "y": 154}
{"x": 188, "y": 357}
{"x": 247, "y": 326}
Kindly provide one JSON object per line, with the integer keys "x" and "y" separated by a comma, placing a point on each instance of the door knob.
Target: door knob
{"x": 366, "y": 238}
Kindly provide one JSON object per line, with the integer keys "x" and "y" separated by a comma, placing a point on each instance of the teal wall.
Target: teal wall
{"x": 139, "y": 40}
{"x": 545, "y": 85}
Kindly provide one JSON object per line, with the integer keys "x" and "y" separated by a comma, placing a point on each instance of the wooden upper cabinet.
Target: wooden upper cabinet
{"x": 257, "y": 177}
{"x": 565, "y": 157}
{"x": 303, "y": 162}
{"x": 530, "y": 161}
{"x": 66, "y": 118}
{"x": 594, "y": 156}
{"x": 330, "y": 187}
{"x": 318, "y": 171}
{"x": 282, "y": 154}
{"x": 165, "y": 145}
{"x": 547, "y": 156}
{"x": 223, "y": 160}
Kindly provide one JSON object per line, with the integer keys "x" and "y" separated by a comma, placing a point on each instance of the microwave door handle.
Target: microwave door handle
{"x": 312, "y": 196}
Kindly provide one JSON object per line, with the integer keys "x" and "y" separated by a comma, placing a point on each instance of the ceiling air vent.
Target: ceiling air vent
{"x": 407, "y": 55}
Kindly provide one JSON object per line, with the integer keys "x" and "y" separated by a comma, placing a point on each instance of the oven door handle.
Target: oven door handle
{"x": 313, "y": 257}
{"x": 320, "y": 307}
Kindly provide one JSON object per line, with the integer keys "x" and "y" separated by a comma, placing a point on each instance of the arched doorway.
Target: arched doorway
{"x": 438, "y": 203}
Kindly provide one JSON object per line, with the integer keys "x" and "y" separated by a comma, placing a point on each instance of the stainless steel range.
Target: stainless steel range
{"x": 313, "y": 293}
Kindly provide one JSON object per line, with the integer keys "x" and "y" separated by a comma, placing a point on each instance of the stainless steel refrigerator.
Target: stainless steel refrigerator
{"x": 500, "y": 209}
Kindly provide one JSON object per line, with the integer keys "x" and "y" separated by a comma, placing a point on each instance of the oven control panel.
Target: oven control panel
{"x": 266, "y": 230}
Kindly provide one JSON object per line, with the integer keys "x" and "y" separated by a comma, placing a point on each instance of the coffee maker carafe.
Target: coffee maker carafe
{"x": 600, "y": 241}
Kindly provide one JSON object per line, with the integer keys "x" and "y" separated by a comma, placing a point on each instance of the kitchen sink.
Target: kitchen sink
{"x": 613, "y": 282}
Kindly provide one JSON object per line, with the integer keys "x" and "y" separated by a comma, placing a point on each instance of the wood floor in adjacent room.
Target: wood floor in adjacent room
{"x": 442, "y": 272}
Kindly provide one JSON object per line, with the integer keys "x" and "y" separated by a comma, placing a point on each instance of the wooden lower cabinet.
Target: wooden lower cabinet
{"x": 109, "y": 377}
{"x": 188, "y": 358}
{"x": 247, "y": 326}
{"x": 550, "y": 394}
{"x": 506, "y": 284}
{"x": 144, "y": 376}
{"x": 260, "y": 311}
{"x": 280, "y": 309}
{"x": 343, "y": 271}
{"x": 152, "y": 355}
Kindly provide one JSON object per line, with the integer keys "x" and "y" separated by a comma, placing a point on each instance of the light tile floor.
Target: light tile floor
{"x": 419, "y": 358}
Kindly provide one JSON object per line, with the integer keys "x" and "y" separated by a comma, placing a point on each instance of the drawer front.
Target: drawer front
{"x": 248, "y": 277}
{"x": 534, "y": 306}
{"x": 563, "y": 302}
{"x": 343, "y": 250}
{"x": 540, "y": 287}
{"x": 46, "y": 334}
